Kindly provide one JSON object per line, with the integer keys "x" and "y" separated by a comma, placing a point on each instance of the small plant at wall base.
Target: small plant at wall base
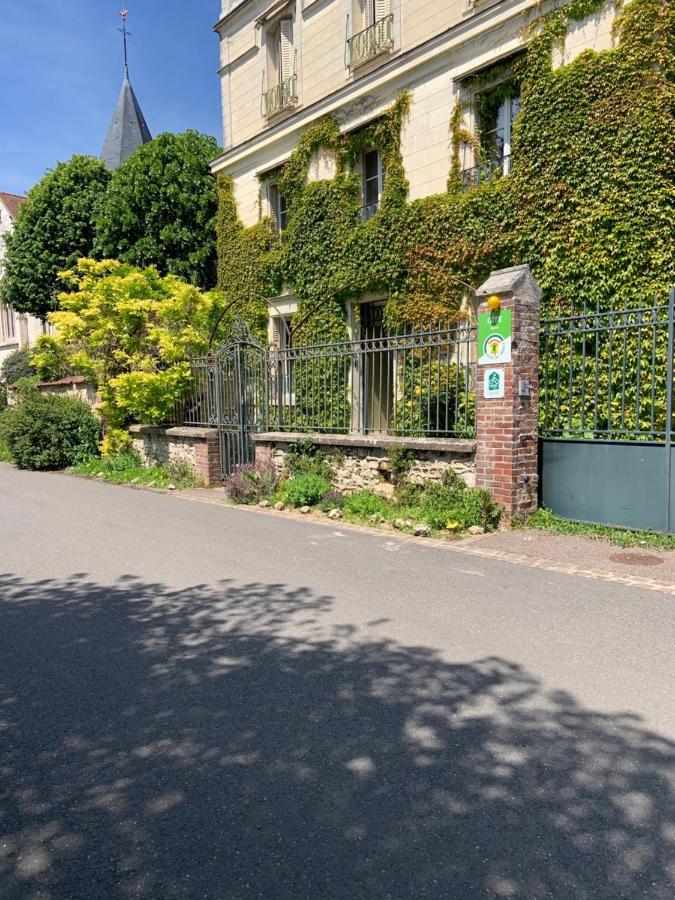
{"x": 252, "y": 482}
{"x": 304, "y": 490}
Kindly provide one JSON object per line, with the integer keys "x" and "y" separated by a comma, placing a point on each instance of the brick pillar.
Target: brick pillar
{"x": 507, "y": 435}
{"x": 207, "y": 456}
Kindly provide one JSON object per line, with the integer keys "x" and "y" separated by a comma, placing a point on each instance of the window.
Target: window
{"x": 373, "y": 183}
{"x": 372, "y": 31}
{"x": 281, "y": 69}
{"x": 7, "y": 323}
{"x": 496, "y": 131}
{"x": 278, "y": 207}
{"x": 495, "y": 113}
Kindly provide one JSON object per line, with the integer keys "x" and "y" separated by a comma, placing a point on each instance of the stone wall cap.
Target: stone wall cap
{"x": 382, "y": 442}
{"x": 183, "y": 431}
{"x": 514, "y": 280}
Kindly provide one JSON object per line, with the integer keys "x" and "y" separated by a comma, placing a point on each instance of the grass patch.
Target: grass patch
{"x": 546, "y": 520}
{"x": 5, "y": 455}
{"x": 126, "y": 468}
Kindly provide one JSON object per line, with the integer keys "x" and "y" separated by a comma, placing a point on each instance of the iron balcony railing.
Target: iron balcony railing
{"x": 282, "y": 96}
{"x": 369, "y": 43}
{"x": 485, "y": 171}
{"x": 416, "y": 383}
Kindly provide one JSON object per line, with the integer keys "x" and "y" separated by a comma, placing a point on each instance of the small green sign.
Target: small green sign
{"x": 494, "y": 337}
{"x": 493, "y": 385}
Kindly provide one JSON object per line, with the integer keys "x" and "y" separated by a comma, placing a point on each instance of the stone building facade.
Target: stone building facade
{"x": 17, "y": 330}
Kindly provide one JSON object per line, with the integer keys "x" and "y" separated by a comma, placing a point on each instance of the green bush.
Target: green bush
{"x": 15, "y": 366}
{"x": 366, "y": 503}
{"x": 47, "y": 432}
{"x": 452, "y": 501}
{"x": 407, "y": 493}
{"x": 305, "y": 490}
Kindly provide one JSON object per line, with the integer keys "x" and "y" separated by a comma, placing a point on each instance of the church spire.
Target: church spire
{"x": 128, "y": 129}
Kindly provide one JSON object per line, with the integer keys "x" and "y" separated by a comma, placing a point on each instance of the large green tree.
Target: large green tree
{"x": 160, "y": 209}
{"x": 55, "y": 227}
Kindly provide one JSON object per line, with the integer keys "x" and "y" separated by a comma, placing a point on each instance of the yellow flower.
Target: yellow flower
{"x": 452, "y": 526}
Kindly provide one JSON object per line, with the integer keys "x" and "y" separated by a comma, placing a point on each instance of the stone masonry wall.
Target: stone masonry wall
{"x": 358, "y": 467}
{"x": 196, "y": 446}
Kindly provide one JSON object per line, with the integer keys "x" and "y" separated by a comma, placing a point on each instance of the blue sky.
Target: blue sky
{"x": 61, "y": 70}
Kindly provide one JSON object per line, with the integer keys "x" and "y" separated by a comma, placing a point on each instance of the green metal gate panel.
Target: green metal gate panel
{"x": 623, "y": 484}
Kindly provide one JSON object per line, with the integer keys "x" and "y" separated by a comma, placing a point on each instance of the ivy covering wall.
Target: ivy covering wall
{"x": 590, "y": 202}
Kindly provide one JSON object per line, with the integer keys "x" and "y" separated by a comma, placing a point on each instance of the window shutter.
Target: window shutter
{"x": 286, "y": 48}
{"x": 276, "y": 336}
{"x": 368, "y": 12}
{"x": 381, "y": 9}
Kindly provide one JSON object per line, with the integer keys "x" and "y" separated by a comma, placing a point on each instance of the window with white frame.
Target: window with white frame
{"x": 371, "y": 31}
{"x": 278, "y": 207}
{"x": 281, "y": 67}
{"x": 7, "y": 323}
{"x": 494, "y": 111}
{"x": 373, "y": 183}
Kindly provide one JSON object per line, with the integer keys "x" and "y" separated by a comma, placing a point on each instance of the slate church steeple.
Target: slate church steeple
{"x": 128, "y": 129}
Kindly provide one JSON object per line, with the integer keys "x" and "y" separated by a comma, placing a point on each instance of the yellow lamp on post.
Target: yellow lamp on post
{"x": 494, "y": 305}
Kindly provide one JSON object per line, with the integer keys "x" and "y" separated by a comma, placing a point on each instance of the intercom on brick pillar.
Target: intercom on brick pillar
{"x": 507, "y": 389}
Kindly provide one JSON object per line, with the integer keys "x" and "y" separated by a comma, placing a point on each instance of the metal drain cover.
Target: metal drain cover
{"x": 637, "y": 559}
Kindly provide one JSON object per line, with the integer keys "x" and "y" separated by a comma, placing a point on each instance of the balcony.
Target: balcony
{"x": 370, "y": 42}
{"x": 485, "y": 171}
{"x": 281, "y": 97}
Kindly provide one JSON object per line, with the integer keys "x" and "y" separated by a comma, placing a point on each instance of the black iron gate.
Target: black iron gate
{"x": 606, "y": 414}
{"x": 229, "y": 392}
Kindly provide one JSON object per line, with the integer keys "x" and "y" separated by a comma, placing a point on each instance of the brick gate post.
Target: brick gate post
{"x": 507, "y": 389}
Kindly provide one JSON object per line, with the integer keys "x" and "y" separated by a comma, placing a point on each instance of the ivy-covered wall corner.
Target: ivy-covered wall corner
{"x": 589, "y": 203}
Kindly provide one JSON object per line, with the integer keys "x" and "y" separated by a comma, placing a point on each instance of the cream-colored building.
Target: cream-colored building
{"x": 287, "y": 63}
{"x": 16, "y": 329}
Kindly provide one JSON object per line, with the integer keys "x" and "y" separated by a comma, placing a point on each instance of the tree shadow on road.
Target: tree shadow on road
{"x": 225, "y": 742}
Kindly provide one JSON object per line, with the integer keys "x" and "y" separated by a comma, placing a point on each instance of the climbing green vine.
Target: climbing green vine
{"x": 589, "y": 204}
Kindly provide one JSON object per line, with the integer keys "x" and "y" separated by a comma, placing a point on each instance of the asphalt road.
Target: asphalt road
{"x": 198, "y": 701}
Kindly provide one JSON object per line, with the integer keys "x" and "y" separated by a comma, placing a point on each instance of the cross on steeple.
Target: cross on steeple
{"x": 123, "y": 31}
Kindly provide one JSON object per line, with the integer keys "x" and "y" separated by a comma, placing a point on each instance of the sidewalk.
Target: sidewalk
{"x": 576, "y": 554}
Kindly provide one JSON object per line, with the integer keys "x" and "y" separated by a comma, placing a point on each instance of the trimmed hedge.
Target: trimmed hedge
{"x": 48, "y": 432}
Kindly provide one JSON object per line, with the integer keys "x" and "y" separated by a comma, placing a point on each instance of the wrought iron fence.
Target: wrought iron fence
{"x": 607, "y": 374}
{"x": 409, "y": 383}
{"x": 415, "y": 383}
{"x": 370, "y": 42}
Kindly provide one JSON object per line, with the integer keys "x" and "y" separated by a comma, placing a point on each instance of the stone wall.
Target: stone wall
{"x": 362, "y": 462}
{"x": 199, "y": 447}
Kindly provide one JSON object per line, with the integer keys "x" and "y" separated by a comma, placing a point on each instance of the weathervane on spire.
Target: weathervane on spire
{"x": 123, "y": 30}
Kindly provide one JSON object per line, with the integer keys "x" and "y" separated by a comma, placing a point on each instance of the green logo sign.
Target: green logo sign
{"x": 494, "y": 381}
{"x": 494, "y": 337}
